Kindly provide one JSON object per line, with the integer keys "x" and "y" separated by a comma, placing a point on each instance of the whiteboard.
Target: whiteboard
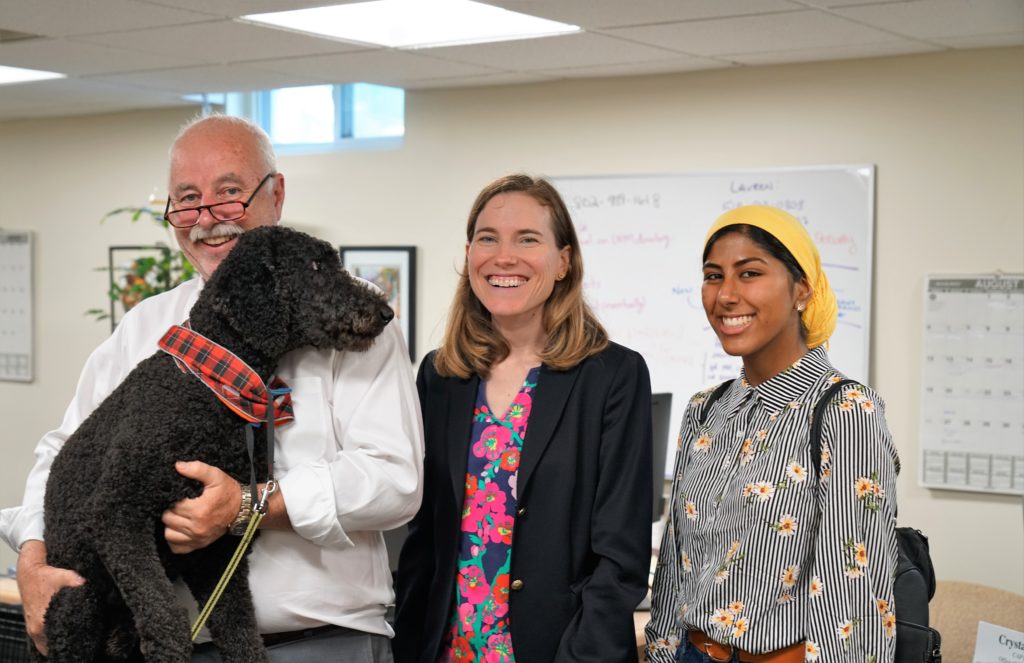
{"x": 642, "y": 237}
{"x": 972, "y": 383}
{"x": 16, "y": 305}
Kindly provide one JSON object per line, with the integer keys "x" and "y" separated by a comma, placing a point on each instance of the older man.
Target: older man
{"x": 348, "y": 467}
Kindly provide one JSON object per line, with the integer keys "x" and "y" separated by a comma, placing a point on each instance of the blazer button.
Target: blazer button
{"x": 517, "y": 584}
{"x": 521, "y": 512}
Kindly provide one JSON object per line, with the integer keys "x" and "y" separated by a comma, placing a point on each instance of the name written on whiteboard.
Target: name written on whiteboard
{"x": 747, "y": 187}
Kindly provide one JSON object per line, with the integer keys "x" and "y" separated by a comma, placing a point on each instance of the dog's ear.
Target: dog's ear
{"x": 244, "y": 293}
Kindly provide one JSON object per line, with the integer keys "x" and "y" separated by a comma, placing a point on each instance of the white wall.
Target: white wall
{"x": 945, "y": 132}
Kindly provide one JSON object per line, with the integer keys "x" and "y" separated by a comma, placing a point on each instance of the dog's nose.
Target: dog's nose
{"x": 387, "y": 315}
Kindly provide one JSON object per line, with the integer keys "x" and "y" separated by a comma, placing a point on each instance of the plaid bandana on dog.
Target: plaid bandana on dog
{"x": 230, "y": 378}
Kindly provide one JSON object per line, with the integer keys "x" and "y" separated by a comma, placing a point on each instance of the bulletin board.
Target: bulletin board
{"x": 972, "y": 383}
{"x": 642, "y": 237}
{"x": 16, "y": 305}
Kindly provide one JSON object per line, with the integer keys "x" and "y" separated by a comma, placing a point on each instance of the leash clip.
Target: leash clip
{"x": 269, "y": 489}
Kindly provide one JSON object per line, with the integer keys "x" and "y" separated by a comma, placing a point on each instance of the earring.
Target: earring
{"x": 800, "y": 307}
{"x": 560, "y": 276}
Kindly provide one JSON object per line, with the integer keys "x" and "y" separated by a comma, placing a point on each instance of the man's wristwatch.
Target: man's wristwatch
{"x": 241, "y": 521}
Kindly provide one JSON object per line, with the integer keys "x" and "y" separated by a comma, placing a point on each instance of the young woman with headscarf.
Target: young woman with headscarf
{"x": 764, "y": 558}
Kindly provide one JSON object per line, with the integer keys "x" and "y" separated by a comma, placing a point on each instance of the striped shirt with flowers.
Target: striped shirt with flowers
{"x": 758, "y": 552}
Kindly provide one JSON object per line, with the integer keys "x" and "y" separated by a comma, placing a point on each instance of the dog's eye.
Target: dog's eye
{"x": 316, "y": 265}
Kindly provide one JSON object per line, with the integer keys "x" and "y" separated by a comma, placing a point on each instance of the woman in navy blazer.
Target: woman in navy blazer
{"x": 533, "y": 540}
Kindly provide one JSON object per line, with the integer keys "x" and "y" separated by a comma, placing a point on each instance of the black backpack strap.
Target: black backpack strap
{"x": 715, "y": 395}
{"x": 816, "y": 417}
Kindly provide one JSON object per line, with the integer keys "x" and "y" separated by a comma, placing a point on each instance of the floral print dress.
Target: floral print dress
{"x": 479, "y": 630}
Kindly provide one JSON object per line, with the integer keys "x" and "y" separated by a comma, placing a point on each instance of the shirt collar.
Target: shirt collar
{"x": 793, "y": 382}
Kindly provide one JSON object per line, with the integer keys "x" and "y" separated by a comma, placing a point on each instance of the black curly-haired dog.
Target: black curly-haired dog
{"x": 276, "y": 291}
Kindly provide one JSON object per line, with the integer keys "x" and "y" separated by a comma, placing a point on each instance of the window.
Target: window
{"x": 325, "y": 117}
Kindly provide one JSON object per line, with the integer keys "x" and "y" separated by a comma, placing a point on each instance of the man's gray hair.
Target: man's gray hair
{"x": 260, "y": 138}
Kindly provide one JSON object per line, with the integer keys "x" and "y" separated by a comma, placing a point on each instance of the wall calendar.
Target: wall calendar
{"x": 972, "y": 382}
{"x": 16, "y": 305}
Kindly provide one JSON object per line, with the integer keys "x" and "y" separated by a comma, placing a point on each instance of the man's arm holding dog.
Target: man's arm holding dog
{"x": 197, "y": 522}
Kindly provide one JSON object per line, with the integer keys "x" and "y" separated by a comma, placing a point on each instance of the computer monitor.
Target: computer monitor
{"x": 661, "y": 414}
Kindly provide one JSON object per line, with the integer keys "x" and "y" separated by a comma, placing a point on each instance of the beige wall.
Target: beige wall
{"x": 945, "y": 131}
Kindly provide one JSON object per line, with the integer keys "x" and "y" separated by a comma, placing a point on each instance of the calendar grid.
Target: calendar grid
{"x": 16, "y": 306}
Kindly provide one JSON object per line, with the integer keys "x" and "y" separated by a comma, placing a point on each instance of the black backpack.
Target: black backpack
{"x": 914, "y": 581}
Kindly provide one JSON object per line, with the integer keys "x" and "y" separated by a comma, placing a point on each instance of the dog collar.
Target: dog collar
{"x": 232, "y": 380}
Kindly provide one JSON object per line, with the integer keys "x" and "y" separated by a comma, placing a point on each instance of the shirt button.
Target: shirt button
{"x": 521, "y": 512}
{"x": 516, "y": 584}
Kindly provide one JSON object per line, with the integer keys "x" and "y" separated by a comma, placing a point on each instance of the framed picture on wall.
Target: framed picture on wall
{"x": 393, "y": 270}
{"x": 136, "y": 272}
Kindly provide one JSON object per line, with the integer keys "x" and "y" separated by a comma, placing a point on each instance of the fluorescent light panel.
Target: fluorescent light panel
{"x": 10, "y": 75}
{"x": 415, "y": 23}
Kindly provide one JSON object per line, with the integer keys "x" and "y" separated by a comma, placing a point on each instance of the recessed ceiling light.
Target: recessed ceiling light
{"x": 415, "y": 23}
{"x": 19, "y": 75}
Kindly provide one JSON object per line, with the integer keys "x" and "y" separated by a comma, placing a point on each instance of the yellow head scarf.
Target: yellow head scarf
{"x": 819, "y": 317}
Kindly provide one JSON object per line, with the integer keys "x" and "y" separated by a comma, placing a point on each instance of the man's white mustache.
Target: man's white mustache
{"x": 198, "y": 233}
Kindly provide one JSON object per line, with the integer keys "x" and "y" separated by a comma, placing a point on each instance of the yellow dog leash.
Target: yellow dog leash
{"x": 258, "y": 513}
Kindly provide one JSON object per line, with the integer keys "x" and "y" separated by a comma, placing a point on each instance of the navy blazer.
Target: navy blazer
{"x": 581, "y": 547}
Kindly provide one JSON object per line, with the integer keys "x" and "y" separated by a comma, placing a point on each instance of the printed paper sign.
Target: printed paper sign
{"x": 997, "y": 644}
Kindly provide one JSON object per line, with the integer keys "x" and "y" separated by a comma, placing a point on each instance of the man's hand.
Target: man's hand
{"x": 37, "y": 583}
{"x": 195, "y": 523}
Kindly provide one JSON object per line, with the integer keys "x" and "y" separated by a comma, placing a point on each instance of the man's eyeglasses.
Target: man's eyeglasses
{"x": 229, "y": 211}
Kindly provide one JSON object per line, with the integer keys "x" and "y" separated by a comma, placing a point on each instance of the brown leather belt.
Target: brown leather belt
{"x": 719, "y": 652}
{"x": 271, "y": 639}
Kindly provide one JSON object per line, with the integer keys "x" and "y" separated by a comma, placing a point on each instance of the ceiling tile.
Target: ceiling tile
{"x": 982, "y": 41}
{"x": 927, "y": 19}
{"x": 668, "y": 66}
{"x": 384, "y": 67}
{"x": 834, "y": 53}
{"x": 846, "y": 3}
{"x": 242, "y": 7}
{"x": 77, "y": 91}
{"x": 754, "y": 34}
{"x": 222, "y": 41}
{"x": 35, "y": 111}
{"x": 574, "y": 50}
{"x": 216, "y": 78}
{"x": 77, "y": 58}
{"x": 616, "y": 13}
{"x": 59, "y": 18}
{"x": 496, "y": 78}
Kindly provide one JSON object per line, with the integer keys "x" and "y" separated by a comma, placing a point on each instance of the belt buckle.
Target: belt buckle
{"x": 707, "y": 650}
